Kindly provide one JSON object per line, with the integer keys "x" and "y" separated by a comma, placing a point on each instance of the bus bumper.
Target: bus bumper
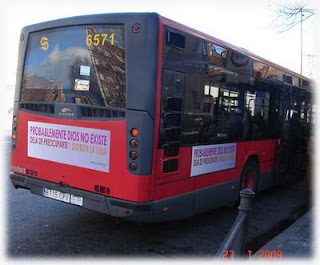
{"x": 133, "y": 211}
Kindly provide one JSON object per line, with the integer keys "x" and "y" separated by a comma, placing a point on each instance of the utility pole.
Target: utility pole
{"x": 288, "y": 17}
{"x": 301, "y": 40}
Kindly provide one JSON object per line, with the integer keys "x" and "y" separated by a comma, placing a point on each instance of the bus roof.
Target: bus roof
{"x": 184, "y": 28}
{"x": 98, "y": 18}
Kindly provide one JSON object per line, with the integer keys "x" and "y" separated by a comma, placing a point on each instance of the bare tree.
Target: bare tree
{"x": 290, "y": 15}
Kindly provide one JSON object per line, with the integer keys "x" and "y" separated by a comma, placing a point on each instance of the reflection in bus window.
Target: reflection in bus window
{"x": 216, "y": 54}
{"x": 71, "y": 71}
{"x": 313, "y": 115}
{"x": 220, "y": 113}
{"x": 257, "y": 104}
{"x": 263, "y": 71}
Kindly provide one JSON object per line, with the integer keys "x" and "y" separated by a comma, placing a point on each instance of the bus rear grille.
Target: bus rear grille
{"x": 170, "y": 165}
{"x": 92, "y": 112}
{"x": 39, "y": 107}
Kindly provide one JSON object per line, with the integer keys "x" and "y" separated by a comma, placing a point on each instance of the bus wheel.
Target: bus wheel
{"x": 249, "y": 175}
{"x": 248, "y": 179}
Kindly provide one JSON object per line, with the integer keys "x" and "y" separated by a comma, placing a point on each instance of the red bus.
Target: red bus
{"x": 137, "y": 116}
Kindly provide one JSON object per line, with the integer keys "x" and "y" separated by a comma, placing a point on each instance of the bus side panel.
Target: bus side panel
{"x": 219, "y": 188}
{"x": 266, "y": 178}
{"x": 264, "y": 149}
{"x": 118, "y": 180}
{"x": 175, "y": 182}
{"x": 173, "y": 188}
{"x": 180, "y": 181}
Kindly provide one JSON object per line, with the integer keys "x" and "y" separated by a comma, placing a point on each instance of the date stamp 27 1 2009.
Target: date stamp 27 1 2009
{"x": 266, "y": 254}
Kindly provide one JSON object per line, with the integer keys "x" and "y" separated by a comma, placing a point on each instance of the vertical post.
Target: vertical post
{"x": 301, "y": 40}
{"x": 246, "y": 201}
{"x": 235, "y": 240}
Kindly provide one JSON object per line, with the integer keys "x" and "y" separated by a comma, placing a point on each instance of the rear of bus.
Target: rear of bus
{"x": 83, "y": 124}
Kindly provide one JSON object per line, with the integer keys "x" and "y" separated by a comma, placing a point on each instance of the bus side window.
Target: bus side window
{"x": 221, "y": 114}
{"x": 257, "y": 106}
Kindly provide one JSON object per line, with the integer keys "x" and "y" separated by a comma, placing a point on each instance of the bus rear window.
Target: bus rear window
{"x": 76, "y": 64}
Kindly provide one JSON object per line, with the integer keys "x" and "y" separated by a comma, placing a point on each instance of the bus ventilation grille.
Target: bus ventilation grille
{"x": 39, "y": 107}
{"x": 171, "y": 149}
{"x": 172, "y": 134}
{"x": 91, "y": 112}
{"x": 170, "y": 165}
{"x": 171, "y": 120}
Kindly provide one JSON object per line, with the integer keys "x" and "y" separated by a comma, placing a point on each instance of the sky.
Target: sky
{"x": 246, "y": 23}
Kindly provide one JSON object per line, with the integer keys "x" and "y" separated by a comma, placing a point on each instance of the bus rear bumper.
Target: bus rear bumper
{"x": 153, "y": 211}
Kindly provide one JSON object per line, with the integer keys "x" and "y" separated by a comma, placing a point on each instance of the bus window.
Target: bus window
{"x": 209, "y": 96}
{"x": 257, "y": 105}
{"x": 313, "y": 115}
{"x": 220, "y": 114}
{"x": 67, "y": 65}
{"x": 216, "y": 54}
{"x": 303, "y": 109}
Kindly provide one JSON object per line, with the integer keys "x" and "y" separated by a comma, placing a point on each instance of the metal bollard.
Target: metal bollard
{"x": 235, "y": 241}
{"x": 246, "y": 199}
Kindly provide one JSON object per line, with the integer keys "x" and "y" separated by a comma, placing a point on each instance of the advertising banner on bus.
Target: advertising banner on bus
{"x": 77, "y": 146}
{"x": 212, "y": 158}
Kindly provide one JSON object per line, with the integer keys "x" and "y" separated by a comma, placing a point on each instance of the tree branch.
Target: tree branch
{"x": 288, "y": 17}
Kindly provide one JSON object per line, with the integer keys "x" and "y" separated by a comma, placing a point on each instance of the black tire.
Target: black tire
{"x": 253, "y": 165}
{"x": 250, "y": 175}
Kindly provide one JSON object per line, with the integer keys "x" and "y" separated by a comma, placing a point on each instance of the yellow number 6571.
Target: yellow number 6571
{"x": 99, "y": 39}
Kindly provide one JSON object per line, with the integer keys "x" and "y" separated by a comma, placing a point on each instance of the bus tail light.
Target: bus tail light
{"x": 133, "y": 166}
{"x": 133, "y": 155}
{"x": 135, "y": 132}
{"x": 134, "y": 144}
{"x": 14, "y": 132}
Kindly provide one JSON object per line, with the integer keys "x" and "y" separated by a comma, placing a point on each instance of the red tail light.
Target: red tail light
{"x": 133, "y": 155}
{"x": 133, "y": 143}
{"x": 14, "y": 132}
{"x": 133, "y": 166}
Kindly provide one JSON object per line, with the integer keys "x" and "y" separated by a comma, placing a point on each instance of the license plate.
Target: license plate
{"x": 62, "y": 196}
{"x": 76, "y": 200}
